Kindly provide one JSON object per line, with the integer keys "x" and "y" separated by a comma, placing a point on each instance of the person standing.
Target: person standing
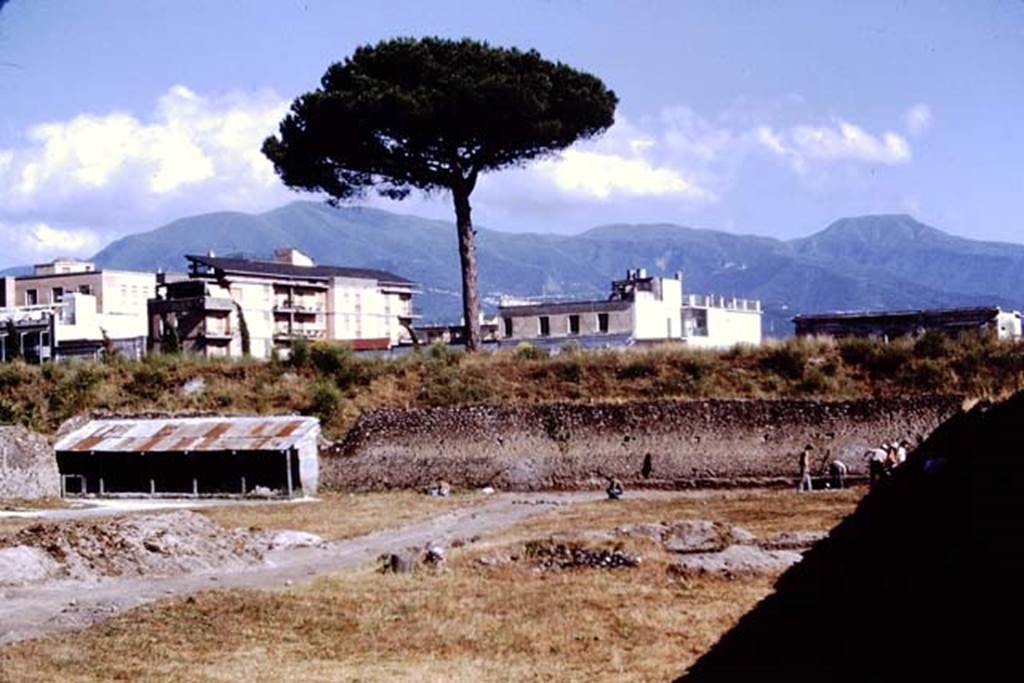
{"x": 805, "y": 469}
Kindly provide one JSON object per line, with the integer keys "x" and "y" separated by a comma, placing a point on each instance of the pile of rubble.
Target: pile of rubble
{"x": 714, "y": 548}
{"x": 550, "y": 555}
{"x": 164, "y": 544}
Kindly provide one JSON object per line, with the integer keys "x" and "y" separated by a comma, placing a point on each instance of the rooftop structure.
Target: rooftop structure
{"x": 190, "y": 456}
{"x": 893, "y": 324}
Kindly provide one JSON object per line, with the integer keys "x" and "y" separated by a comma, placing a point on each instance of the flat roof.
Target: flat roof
{"x": 567, "y": 307}
{"x": 175, "y": 435}
{"x": 853, "y": 315}
{"x": 288, "y": 270}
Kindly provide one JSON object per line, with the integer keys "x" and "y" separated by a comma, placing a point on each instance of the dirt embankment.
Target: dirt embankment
{"x": 661, "y": 444}
{"x": 27, "y": 466}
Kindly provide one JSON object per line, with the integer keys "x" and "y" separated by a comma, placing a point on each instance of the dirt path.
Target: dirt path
{"x": 34, "y": 611}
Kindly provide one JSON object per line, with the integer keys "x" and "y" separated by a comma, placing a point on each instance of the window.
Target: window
{"x": 85, "y": 289}
{"x": 31, "y": 297}
{"x": 508, "y": 326}
{"x": 602, "y": 323}
{"x": 56, "y": 295}
{"x": 574, "y": 324}
{"x": 545, "y": 326}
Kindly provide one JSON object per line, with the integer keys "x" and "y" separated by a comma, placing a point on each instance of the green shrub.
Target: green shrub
{"x": 299, "y": 357}
{"x": 149, "y": 380}
{"x": 934, "y": 344}
{"x": 14, "y": 374}
{"x": 927, "y": 375}
{"x": 788, "y": 360}
{"x": 638, "y": 368}
{"x": 527, "y": 351}
{"x": 325, "y": 401}
{"x": 568, "y": 370}
{"x": 817, "y": 383}
{"x": 448, "y": 385}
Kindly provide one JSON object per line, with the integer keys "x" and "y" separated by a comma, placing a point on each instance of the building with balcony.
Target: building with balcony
{"x": 235, "y": 306}
{"x": 640, "y": 309}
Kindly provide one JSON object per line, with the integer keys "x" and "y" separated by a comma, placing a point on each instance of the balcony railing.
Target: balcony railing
{"x": 293, "y": 306}
{"x": 307, "y": 333}
{"x": 728, "y": 303}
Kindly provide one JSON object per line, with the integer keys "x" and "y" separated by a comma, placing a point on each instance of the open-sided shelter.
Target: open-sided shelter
{"x": 191, "y": 456}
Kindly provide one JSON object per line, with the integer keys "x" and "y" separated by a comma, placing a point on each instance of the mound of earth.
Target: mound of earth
{"x": 163, "y": 544}
{"x": 921, "y": 582}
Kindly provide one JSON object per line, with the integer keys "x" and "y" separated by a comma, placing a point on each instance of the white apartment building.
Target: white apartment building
{"x": 234, "y": 306}
{"x": 640, "y": 309}
{"x": 66, "y": 290}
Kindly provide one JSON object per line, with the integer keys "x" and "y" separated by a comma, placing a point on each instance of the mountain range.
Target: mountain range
{"x": 867, "y": 262}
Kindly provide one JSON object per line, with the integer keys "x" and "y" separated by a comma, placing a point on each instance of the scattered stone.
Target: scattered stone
{"x": 736, "y": 560}
{"x": 552, "y": 555}
{"x": 288, "y": 582}
{"x": 649, "y": 530}
{"x": 398, "y": 563}
{"x": 434, "y": 556}
{"x": 441, "y": 489}
{"x": 792, "y": 540}
{"x": 194, "y": 386}
{"x": 294, "y": 539}
{"x": 698, "y": 536}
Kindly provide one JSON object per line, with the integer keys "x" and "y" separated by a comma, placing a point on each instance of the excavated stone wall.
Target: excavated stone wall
{"x": 28, "y": 468}
{"x": 661, "y": 444}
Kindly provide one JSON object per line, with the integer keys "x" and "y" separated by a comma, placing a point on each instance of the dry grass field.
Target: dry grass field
{"x": 341, "y": 515}
{"x": 472, "y": 622}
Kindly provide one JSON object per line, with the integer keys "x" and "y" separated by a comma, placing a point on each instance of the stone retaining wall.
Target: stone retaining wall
{"x": 27, "y": 466}
{"x": 661, "y": 444}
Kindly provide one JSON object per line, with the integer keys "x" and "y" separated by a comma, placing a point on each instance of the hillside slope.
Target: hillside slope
{"x": 885, "y": 261}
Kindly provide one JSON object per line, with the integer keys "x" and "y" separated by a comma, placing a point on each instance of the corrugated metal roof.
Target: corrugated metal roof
{"x": 162, "y": 435}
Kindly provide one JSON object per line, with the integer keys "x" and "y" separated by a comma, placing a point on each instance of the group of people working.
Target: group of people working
{"x": 884, "y": 460}
{"x": 881, "y": 463}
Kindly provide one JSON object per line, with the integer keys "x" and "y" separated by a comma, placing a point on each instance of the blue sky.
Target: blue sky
{"x": 768, "y": 118}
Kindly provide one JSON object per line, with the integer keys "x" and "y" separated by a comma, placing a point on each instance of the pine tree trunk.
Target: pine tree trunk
{"x": 467, "y": 256}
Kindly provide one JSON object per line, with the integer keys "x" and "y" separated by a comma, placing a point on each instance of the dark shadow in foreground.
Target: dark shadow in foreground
{"x": 923, "y": 580}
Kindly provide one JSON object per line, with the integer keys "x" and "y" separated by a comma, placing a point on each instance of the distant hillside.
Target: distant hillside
{"x": 855, "y": 263}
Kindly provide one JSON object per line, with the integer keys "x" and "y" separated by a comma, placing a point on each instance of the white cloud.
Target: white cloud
{"x": 193, "y": 151}
{"x": 840, "y": 142}
{"x": 32, "y": 239}
{"x": 603, "y": 175}
{"x": 918, "y": 119}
